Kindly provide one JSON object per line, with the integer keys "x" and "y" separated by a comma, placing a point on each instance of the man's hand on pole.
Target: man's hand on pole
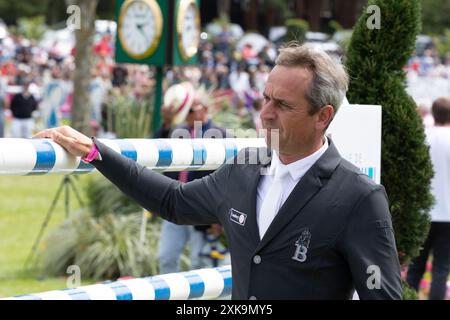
{"x": 76, "y": 143}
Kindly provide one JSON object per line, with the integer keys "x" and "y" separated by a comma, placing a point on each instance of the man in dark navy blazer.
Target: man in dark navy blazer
{"x": 301, "y": 222}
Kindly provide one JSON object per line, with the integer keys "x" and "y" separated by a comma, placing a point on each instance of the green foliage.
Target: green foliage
{"x": 223, "y": 19}
{"x": 408, "y": 292}
{"x": 103, "y": 248}
{"x": 435, "y": 16}
{"x": 104, "y": 239}
{"x": 443, "y": 43}
{"x": 229, "y": 119}
{"x": 296, "y": 30}
{"x": 54, "y": 10}
{"x": 280, "y": 6}
{"x": 105, "y": 198}
{"x": 10, "y": 11}
{"x": 335, "y": 26}
{"x": 130, "y": 117}
{"x": 32, "y": 28}
{"x": 105, "y": 9}
{"x": 343, "y": 38}
{"x": 374, "y": 62}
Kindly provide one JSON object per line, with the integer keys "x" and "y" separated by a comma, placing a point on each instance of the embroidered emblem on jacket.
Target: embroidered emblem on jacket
{"x": 301, "y": 246}
{"x": 238, "y": 217}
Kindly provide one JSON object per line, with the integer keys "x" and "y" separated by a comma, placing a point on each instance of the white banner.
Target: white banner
{"x": 356, "y": 131}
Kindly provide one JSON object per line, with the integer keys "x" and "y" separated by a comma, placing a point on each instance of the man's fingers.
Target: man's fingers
{"x": 42, "y": 134}
{"x": 74, "y": 142}
{"x": 67, "y": 131}
{"x": 78, "y": 136}
{"x": 61, "y": 139}
{"x": 47, "y": 133}
{"x": 71, "y": 144}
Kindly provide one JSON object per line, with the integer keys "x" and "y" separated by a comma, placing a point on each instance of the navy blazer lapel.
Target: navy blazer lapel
{"x": 254, "y": 179}
{"x": 303, "y": 192}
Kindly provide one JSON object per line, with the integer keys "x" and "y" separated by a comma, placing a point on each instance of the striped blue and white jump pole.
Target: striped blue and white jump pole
{"x": 204, "y": 284}
{"x": 43, "y": 156}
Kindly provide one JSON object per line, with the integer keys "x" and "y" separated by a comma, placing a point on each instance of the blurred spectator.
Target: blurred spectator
{"x": 9, "y": 69}
{"x": 248, "y": 52}
{"x": 22, "y": 106}
{"x": 268, "y": 55}
{"x": 424, "y": 110}
{"x": 175, "y": 237}
{"x": 208, "y": 78}
{"x": 224, "y": 40}
{"x": 206, "y": 55}
{"x": 98, "y": 89}
{"x": 260, "y": 77}
{"x": 103, "y": 47}
{"x": 104, "y": 65}
{"x": 427, "y": 62}
{"x": 222, "y": 70}
{"x": 3, "y": 56}
{"x": 55, "y": 52}
{"x": 3, "y": 91}
{"x": 257, "y": 106}
{"x": 119, "y": 75}
{"x": 438, "y": 239}
{"x": 240, "y": 82}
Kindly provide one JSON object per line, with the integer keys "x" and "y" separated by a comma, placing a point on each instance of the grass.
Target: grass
{"x": 24, "y": 202}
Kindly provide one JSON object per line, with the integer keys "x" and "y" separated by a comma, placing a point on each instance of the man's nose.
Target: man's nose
{"x": 268, "y": 111}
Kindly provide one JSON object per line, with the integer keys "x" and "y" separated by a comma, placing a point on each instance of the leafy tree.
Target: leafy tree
{"x": 443, "y": 43}
{"x": 296, "y": 30}
{"x": 55, "y": 11}
{"x": 435, "y": 16}
{"x": 375, "y": 62}
{"x": 280, "y": 6}
{"x": 31, "y": 28}
{"x": 10, "y": 11}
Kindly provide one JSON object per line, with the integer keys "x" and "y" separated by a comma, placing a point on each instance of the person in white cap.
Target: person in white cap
{"x": 184, "y": 105}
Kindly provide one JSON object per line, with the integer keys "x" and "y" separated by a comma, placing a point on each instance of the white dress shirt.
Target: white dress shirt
{"x": 296, "y": 171}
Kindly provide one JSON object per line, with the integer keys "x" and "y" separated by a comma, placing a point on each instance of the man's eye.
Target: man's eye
{"x": 285, "y": 105}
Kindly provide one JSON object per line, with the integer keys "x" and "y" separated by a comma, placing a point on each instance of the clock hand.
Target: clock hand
{"x": 139, "y": 26}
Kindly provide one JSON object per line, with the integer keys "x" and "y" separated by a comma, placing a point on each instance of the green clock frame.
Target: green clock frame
{"x": 178, "y": 58}
{"x": 158, "y": 57}
{"x": 167, "y": 52}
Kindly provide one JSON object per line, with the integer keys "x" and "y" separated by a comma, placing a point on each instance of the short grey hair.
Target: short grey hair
{"x": 330, "y": 80}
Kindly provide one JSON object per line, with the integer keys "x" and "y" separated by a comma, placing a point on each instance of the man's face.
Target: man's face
{"x": 26, "y": 88}
{"x": 196, "y": 113}
{"x": 285, "y": 108}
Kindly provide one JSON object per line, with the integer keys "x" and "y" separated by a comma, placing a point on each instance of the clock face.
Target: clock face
{"x": 140, "y": 26}
{"x": 188, "y": 28}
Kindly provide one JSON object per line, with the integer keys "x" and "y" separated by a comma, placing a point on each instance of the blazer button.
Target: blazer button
{"x": 257, "y": 259}
{"x": 252, "y": 298}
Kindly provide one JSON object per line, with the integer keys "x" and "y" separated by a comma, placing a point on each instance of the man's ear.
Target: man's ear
{"x": 325, "y": 115}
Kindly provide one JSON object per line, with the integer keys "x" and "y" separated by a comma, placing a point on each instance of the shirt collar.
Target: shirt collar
{"x": 298, "y": 168}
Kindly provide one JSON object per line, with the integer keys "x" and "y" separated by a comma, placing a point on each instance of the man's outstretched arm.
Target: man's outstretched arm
{"x": 192, "y": 203}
